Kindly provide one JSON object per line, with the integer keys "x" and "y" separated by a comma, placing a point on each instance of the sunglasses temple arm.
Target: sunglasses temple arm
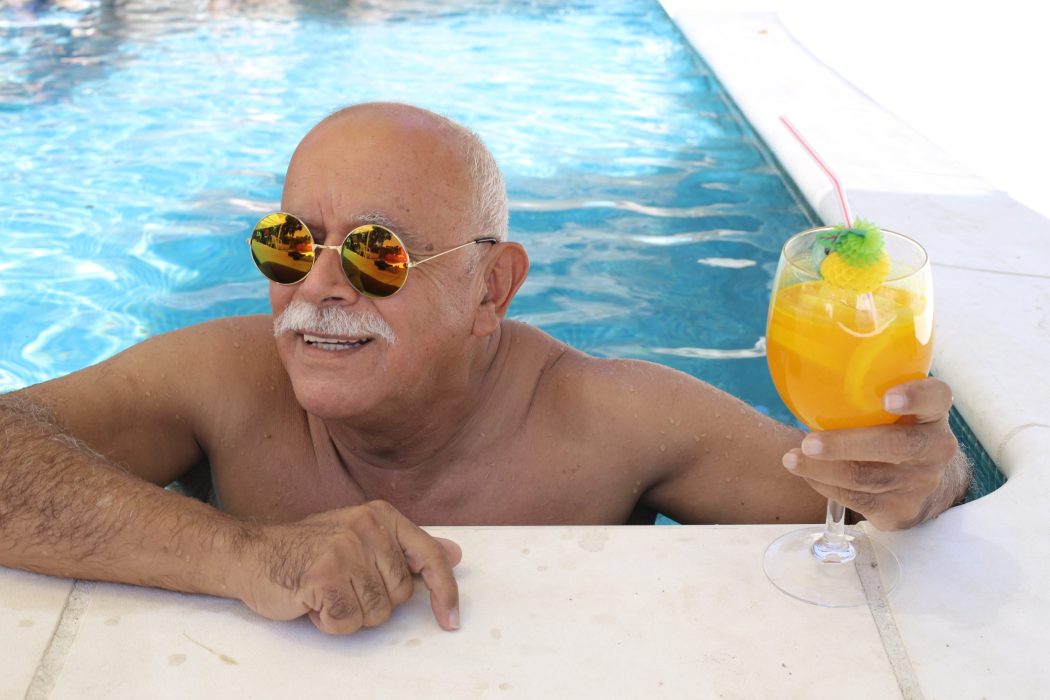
{"x": 412, "y": 264}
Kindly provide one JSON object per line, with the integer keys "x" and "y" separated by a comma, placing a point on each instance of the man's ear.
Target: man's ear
{"x": 504, "y": 271}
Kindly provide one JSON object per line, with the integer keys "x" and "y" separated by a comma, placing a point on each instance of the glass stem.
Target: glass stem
{"x": 833, "y": 546}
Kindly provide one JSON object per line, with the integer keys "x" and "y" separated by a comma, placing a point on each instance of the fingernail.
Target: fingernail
{"x": 812, "y": 446}
{"x": 790, "y": 461}
{"x": 895, "y": 402}
{"x": 453, "y": 618}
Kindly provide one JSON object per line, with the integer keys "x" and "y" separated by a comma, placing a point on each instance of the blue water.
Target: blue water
{"x": 141, "y": 139}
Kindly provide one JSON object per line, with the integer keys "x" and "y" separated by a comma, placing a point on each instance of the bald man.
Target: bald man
{"x": 336, "y": 426}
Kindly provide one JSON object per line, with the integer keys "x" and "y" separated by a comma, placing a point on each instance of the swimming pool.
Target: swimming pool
{"x": 142, "y": 139}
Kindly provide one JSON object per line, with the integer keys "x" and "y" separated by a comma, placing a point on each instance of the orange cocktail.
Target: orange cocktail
{"x": 834, "y": 352}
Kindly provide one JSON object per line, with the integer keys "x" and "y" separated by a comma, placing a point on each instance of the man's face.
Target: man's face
{"x": 401, "y": 168}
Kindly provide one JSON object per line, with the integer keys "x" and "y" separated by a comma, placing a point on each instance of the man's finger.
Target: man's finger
{"x": 388, "y": 559}
{"x": 337, "y": 611}
{"x": 886, "y": 443}
{"x": 928, "y": 400}
{"x": 373, "y": 596}
{"x": 452, "y": 550}
{"x": 867, "y": 504}
{"x": 870, "y": 477}
{"x": 427, "y": 557}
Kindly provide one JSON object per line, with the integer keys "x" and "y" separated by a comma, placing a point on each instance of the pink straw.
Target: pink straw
{"x": 846, "y": 216}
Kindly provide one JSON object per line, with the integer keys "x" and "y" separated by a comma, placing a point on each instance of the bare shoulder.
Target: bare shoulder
{"x": 650, "y": 413}
{"x": 693, "y": 451}
{"x": 618, "y": 399}
{"x": 152, "y": 406}
{"x": 632, "y": 391}
{"x": 173, "y": 362}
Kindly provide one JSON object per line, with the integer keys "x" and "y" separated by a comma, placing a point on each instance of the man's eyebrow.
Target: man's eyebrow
{"x": 410, "y": 238}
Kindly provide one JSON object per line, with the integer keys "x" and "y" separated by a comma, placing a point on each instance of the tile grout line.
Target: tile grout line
{"x": 65, "y": 634}
{"x": 885, "y": 624}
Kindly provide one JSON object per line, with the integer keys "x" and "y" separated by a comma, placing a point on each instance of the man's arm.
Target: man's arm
{"x": 68, "y": 511}
{"x": 718, "y": 460}
{"x": 82, "y": 507}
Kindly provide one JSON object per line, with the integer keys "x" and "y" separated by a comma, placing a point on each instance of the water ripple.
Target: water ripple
{"x": 756, "y": 350}
{"x": 142, "y": 138}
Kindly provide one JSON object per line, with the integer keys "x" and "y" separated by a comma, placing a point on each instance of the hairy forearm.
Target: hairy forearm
{"x": 66, "y": 510}
{"x": 955, "y": 482}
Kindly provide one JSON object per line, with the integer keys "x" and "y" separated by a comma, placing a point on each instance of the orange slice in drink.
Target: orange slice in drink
{"x": 890, "y": 355}
{"x": 798, "y": 309}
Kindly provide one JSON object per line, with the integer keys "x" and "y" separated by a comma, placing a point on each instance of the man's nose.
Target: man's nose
{"x": 327, "y": 282}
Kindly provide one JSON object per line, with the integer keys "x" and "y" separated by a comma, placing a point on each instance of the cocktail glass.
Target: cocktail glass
{"x": 833, "y": 352}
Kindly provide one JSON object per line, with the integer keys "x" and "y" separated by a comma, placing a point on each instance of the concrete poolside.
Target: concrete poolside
{"x": 618, "y": 612}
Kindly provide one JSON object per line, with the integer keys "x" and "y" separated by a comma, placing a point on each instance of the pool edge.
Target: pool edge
{"x": 971, "y": 593}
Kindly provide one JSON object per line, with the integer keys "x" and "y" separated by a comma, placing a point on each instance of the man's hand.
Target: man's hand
{"x": 897, "y": 475}
{"x": 348, "y": 569}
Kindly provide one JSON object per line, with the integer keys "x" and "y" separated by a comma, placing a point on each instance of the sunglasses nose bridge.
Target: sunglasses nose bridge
{"x": 327, "y": 280}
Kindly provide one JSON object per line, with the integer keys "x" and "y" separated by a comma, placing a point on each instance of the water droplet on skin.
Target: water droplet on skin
{"x": 696, "y": 438}
{"x": 663, "y": 448}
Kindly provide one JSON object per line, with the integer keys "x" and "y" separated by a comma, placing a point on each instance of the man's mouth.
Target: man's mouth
{"x": 334, "y": 344}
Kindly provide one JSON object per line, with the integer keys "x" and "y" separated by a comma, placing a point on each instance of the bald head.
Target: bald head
{"x": 450, "y": 143}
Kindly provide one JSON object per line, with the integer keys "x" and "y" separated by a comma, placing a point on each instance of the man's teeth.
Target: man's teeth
{"x": 333, "y": 343}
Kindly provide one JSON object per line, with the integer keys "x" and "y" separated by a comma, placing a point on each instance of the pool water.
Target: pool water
{"x": 141, "y": 139}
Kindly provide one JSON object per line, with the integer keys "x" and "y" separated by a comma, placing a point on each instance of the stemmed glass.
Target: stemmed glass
{"x": 833, "y": 351}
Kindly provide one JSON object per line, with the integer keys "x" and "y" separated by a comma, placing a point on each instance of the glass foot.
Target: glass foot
{"x": 792, "y": 567}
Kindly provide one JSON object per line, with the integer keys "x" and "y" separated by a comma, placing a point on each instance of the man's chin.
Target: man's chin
{"x": 323, "y": 402}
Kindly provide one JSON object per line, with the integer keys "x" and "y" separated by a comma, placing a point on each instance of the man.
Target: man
{"x": 353, "y": 413}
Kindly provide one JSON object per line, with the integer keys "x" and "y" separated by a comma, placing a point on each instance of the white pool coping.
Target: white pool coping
{"x": 975, "y": 606}
{"x": 685, "y": 612}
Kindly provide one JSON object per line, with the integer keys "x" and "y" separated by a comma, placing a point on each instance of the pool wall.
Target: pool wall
{"x": 974, "y": 593}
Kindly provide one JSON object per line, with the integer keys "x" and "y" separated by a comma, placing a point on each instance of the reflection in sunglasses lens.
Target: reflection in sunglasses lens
{"x": 282, "y": 248}
{"x": 375, "y": 261}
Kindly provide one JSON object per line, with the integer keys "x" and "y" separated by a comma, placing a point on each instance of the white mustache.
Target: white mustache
{"x": 301, "y": 317}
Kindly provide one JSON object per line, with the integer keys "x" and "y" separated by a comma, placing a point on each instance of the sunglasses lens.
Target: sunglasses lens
{"x": 375, "y": 261}
{"x": 282, "y": 248}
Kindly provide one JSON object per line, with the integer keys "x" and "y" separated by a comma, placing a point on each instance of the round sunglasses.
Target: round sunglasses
{"x": 373, "y": 258}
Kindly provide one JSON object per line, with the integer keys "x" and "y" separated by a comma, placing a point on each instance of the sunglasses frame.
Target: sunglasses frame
{"x": 315, "y": 246}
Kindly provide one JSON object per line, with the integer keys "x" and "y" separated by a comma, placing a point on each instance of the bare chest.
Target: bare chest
{"x": 286, "y": 474}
